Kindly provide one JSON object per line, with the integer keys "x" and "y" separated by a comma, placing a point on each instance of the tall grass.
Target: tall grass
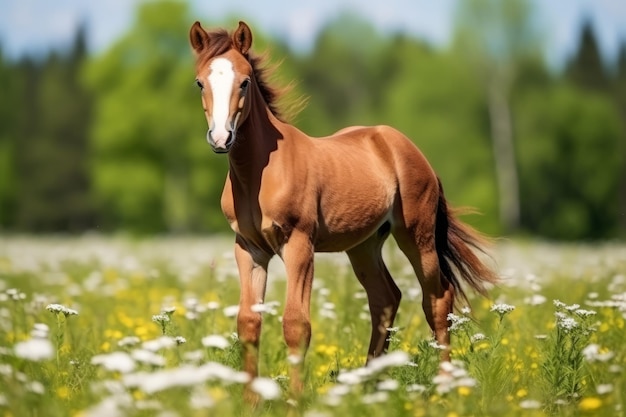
{"x": 113, "y": 327}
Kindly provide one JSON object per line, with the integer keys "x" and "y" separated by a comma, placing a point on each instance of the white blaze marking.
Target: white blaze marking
{"x": 221, "y": 80}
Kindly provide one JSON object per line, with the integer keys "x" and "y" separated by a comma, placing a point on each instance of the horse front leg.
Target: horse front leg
{"x": 252, "y": 265}
{"x": 298, "y": 254}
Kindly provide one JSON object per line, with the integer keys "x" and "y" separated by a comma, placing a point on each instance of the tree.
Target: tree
{"x": 494, "y": 36}
{"x": 9, "y": 105}
{"x": 52, "y": 152}
{"x": 586, "y": 68}
{"x": 569, "y": 163}
{"x": 619, "y": 92}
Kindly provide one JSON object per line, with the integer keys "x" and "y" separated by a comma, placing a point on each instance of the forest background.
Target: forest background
{"x": 114, "y": 141}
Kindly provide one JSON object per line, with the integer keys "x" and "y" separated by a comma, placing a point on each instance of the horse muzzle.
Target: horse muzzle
{"x": 221, "y": 142}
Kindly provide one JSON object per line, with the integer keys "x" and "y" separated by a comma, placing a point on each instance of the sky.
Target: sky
{"x": 34, "y": 26}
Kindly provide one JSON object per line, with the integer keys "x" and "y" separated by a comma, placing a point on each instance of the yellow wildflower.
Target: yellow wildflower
{"x": 63, "y": 392}
{"x": 590, "y": 404}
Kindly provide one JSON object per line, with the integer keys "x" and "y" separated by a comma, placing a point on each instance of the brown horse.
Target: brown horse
{"x": 291, "y": 195}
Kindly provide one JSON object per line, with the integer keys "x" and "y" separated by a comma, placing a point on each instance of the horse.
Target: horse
{"x": 291, "y": 195}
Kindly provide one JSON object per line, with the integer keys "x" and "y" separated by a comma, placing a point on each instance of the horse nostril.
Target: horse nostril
{"x": 229, "y": 140}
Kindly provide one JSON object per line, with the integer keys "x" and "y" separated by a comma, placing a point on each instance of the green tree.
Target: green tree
{"x": 568, "y": 152}
{"x": 619, "y": 92}
{"x": 147, "y": 134}
{"x": 433, "y": 99}
{"x": 9, "y": 105}
{"x": 342, "y": 77}
{"x": 52, "y": 154}
{"x": 495, "y": 36}
{"x": 586, "y": 68}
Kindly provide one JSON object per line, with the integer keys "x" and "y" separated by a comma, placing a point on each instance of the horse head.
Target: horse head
{"x": 224, "y": 74}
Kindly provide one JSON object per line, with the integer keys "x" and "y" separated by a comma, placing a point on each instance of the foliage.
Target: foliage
{"x": 116, "y": 142}
{"x": 103, "y": 327}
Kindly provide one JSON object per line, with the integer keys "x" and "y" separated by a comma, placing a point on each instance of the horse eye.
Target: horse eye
{"x": 199, "y": 84}
{"x": 244, "y": 84}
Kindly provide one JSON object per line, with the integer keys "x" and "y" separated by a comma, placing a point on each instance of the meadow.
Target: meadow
{"x": 96, "y": 327}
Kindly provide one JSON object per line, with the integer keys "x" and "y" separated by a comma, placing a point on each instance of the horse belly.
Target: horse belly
{"x": 346, "y": 223}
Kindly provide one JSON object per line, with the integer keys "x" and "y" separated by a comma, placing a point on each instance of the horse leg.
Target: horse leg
{"x": 382, "y": 293}
{"x": 297, "y": 254}
{"x": 252, "y": 267}
{"x": 438, "y": 293}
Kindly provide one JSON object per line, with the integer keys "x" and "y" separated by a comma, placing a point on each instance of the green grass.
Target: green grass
{"x": 540, "y": 358}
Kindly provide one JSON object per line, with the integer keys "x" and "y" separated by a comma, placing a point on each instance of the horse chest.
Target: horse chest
{"x": 248, "y": 219}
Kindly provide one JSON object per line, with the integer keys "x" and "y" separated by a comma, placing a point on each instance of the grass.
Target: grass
{"x": 153, "y": 335}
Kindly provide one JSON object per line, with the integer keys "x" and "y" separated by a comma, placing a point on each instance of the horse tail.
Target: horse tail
{"x": 455, "y": 243}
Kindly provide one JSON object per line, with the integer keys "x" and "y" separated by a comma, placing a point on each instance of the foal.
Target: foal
{"x": 291, "y": 195}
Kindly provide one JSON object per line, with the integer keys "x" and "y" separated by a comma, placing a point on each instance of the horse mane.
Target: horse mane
{"x": 221, "y": 42}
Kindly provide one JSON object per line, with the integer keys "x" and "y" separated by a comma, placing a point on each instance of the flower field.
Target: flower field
{"x": 106, "y": 327}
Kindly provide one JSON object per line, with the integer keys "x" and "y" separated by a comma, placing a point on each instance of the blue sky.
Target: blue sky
{"x": 32, "y": 26}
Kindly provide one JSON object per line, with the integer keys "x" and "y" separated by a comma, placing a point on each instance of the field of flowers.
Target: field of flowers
{"x": 106, "y": 327}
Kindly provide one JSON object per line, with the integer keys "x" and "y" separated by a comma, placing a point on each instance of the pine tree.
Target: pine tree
{"x": 54, "y": 194}
{"x": 586, "y": 69}
{"x": 620, "y": 98}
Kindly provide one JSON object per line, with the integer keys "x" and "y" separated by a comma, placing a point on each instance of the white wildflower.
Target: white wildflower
{"x": 163, "y": 342}
{"x": 530, "y": 404}
{"x": 457, "y": 322}
{"x": 231, "y": 311}
{"x": 148, "y": 357}
{"x": 375, "y": 397}
{"x": 388, "y": 385}
{"x": 40, "y": 331}
{"x": 419, "y": 388}
{"x": 168, "y": 310}
{"x": 161, "y": 318}
{"x": 267, "y": 388}
{"x": 180, "y": 340}
{"x": 58, "y": 308}
{"x": 349, "y": 378}
{"x": 215, "y": 341}
{"x": 194, "y": 356}
{"x": 594, "y": 353}
{"x": 585, "y": 313}
{"x": 604, "y": 389}
{"x": 115, "y": 361}
{"x": 502, "y": 308}
{"x": 567, "y": 323}
{"x": 535, "y": 300}
{"x": 36, "y": 387}
{"x": 264, "y": 308}
{"x": 435, "y": 345}
{"x": 129, "y": 341}
{"x": 395, "y": 358}
{"x": 36, "y": 349}
{"x": 184, "y": 376}
{"x": 212, "y": 305}
{"x": 477, "y": 337}
{"x": 294, "y": 359}
{"x": 466, "y": 310}
{"x": 338, "y": 390}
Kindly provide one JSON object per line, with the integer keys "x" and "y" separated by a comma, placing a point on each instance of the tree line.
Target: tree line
{"x": 115, "y": 141}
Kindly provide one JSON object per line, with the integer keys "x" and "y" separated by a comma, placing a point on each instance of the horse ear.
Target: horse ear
{"x": 242, "y": 38}
{"x": 198, "y": 38}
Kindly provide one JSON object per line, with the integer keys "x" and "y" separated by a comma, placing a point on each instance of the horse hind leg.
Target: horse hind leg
{"x": 382, "y": 293}
{"x": 438, "y": 293}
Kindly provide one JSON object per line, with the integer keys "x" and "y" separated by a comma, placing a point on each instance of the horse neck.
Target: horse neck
{"x": 257, "y": 138}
